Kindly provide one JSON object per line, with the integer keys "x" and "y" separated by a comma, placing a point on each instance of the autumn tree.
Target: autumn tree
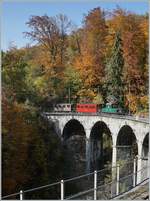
{"x": 92, "y": 48}
{"x": 74, "y": 45}
{"x": 51, "y": 32}
{"x": 30, "y": 155}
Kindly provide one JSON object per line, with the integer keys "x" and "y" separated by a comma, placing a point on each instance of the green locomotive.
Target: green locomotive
{"x": 112, "y": 106}
{"x": 112, "y": 109}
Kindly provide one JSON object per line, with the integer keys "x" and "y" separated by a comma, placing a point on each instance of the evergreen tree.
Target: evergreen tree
{"x": 114, "y": 70}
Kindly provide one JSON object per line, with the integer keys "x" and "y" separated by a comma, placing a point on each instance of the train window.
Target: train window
{"x": 86, "y": 106}
{"x": 68, "y": 106}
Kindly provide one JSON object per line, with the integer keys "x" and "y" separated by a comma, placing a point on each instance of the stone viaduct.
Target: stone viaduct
{"x": 118, "y": 126}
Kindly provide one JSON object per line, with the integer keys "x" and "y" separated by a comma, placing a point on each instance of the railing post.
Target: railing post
{"x": 95, "y": 185}
{"x": 21, "y": 195}
{"x": 134, "y": 173}
{"x": 117, "y": 185}
{"x": 62, "y": 189}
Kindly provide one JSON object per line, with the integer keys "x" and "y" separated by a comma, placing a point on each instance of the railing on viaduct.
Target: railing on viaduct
{"x": 127, "y": 117}
{"x": 92, "y": 186}
{"x": 124, "y": 116}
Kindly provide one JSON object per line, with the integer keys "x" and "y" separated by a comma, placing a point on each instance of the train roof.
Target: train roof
{"x": 63, "y": 104}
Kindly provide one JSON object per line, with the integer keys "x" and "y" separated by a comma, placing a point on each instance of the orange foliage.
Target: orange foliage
{"x": 16, "y": 135}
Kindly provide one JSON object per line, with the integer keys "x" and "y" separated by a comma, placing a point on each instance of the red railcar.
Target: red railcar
{"x": 89, "y": 108}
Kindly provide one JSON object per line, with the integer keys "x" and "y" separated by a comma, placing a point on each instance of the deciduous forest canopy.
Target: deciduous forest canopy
{"x": 108, "y": 54}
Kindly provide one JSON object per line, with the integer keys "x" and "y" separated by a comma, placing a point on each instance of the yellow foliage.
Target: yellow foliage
{"x": 137, "y": 104}
{"x": 86, "y": 95}
{"x": 144, "y": 28}
{"x": 132, "y": 102}
{"x": 41, "y": 85}
{"x": 98, "y": 99}
{"x": 144, "y": 101}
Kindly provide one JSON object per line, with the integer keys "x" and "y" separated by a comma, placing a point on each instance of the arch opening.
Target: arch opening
{"x": 145, "y": 154}
{"x": 126, "y": 144}
{"x": 127, "y": 150}
{"x": 73, "y": 128}
{"x": 74, "y": 141}
{"x": 100, "y": 149}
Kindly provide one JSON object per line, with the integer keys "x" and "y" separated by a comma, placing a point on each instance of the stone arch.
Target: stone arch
{"x": 127, "y": 147}
{"x": 71, "y": 128}
{"x": 100, "y": 148}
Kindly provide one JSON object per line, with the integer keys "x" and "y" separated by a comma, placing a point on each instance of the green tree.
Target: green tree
{"x": 14, "y": 71}
{"x": 72, "y": 82}
{"x": 114, "y": 70}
